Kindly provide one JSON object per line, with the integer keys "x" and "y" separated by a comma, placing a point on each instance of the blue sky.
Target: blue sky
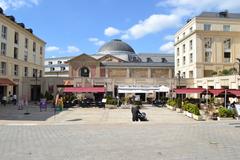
{"x": 72, "y": 27}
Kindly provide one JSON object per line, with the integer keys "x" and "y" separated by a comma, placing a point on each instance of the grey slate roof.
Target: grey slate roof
{"x": 141, "y": 64}
{"x": 217, "y": 15}
{"x": 156, "y": 57}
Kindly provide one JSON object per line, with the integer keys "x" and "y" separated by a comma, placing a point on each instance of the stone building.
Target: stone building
{"x": 121, "y": 71}
{"x": 22, "y": 55}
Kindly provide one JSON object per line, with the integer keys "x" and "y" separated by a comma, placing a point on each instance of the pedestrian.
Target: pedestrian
{"x": 4, "y": 100}
{"x": 14, "y": 99}
{"x": 135, "y": 113}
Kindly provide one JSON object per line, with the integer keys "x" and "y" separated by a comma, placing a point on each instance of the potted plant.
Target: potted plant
{"x": 171, "y": 104}
{"x": 179, "y": 106}
{"x": 224, "y": 113}
{"x": 111, "y": 103}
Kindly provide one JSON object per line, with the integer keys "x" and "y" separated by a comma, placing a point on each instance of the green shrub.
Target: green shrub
{"x": 111, "y": 100}
{"x": 172, "y": 102}
{"x": 224, "y": 112}
{"x": 138, "y": 103}
{"x": 192, "y": 108}
{"x": 48, "y": 96}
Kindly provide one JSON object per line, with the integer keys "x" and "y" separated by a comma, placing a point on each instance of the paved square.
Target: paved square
{"x": 89, "y": 134}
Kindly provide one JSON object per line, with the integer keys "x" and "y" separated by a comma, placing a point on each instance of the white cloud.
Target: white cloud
{"x": 167, "y": 47}
{"x": 111, "y": 31}
{"x": 52, "y": 49}
{"x": 96, "y": 41}
{"x": 72, "y": 49}
{"x": 15, "y": 4}
{"x": 153, "y": 24}
{"x": 169, "y": 37}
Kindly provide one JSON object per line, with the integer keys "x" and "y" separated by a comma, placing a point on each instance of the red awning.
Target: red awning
{"x": 235, "y": 92}
{"x": 84, "y": 89}
{"x": 216, "y": 92}
{"x": 6, "y": 81}
{"x": 189, "y": 90}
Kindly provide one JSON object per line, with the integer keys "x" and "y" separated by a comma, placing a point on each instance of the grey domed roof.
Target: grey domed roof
{"x": 116, "y": 45}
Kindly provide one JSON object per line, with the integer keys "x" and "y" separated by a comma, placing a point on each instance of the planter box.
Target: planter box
{"x": 224, "y": 118}
{"x": 171, "y": 108}
{"x": 110, "y": 106}
{"x": 196, "y": 117}
{"x": 179, "y": 110}
{"x": 185, "y": 112}
{"x": 190, "y": 115}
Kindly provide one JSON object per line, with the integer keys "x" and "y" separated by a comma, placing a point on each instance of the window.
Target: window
{"x": 52, "y": 69}
{"x": 227, "y": 57}
{"x": 34, "y": 58}
{"x": 4, "y": 32}
{"x": 226, "y": 28}
{"x": 35, "y": 72}
{"x": 84, "y": 72}
{"x": 191, "y": 58}
{"x": 25, "y": 71}
{"x": 177, "y": 38}
{"x": 63, "y": 68}
{"x": 26, "y": 43}
{"x": 208, "y": 43}
{"x": 34, "y": 46}
{"x": 227, "y": 44}
{"x": 59, "y": 62}
{"x": 184, "y": 60}
{"x": 207, "y": 27}
{"x": 26, "y": 56}
{"x": 50, "y": 63}
{"x": 3, "y": 69}
{"x": 15, "y": 54}
{"x": 177, "y": 51}
{"x": 208, "y": 56}
{"x": 3, "y": 48}
{"x": 191, "y": 29}
{"x": 184, "y": 74}
{"x": 190, "y": 45}
{"x": 184, "y": 48}
{"x": 15, "y": 70}
{"x": 190, "y": 74}
{"x": 177, "y": 62}
{"x": 16, "y": 38}
{"x": 41, "y": 50}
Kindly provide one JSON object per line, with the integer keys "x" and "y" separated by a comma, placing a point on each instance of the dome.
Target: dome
{"x": 116, "y": 45}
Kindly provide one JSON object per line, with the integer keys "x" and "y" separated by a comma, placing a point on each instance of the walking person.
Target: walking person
{"x": 4, "y": 100}
{"x": 135, "y": 113}
{"x": 14, "y": 99}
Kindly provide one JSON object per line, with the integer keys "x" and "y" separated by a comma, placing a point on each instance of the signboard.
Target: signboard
{"x": 237, "y": 109}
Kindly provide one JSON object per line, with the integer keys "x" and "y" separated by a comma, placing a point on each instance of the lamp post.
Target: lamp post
{"x": 179, "y": 77}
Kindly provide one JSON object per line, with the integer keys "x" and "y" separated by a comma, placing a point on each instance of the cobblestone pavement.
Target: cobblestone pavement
{"x": 75, "y": 136}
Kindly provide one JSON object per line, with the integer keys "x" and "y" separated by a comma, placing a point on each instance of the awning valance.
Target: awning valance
{"x": 216, "y": 92}
{"x": 84, "y": 89}
{"x": 6, "y": 81}
{"x": 189, "y": 90}
{"x": 234, "y": 92}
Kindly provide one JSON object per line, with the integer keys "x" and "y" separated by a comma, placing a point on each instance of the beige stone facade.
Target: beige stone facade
{"x": 207, "y": 44}
{"x": 22, "y": 55}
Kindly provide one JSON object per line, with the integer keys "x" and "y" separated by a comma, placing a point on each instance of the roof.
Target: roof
{"x": 156, "y": 57}
{"x": 116, "y": 45}
{"x": 223, "y": 14}
{"x": 59, "y": 58}
{"x": 140, "y": 64}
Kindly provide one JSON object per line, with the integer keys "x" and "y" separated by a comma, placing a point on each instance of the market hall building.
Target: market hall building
{"x": 121, "y": 72}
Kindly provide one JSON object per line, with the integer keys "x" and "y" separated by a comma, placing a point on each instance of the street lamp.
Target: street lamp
{"x": 179, "y": 77}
